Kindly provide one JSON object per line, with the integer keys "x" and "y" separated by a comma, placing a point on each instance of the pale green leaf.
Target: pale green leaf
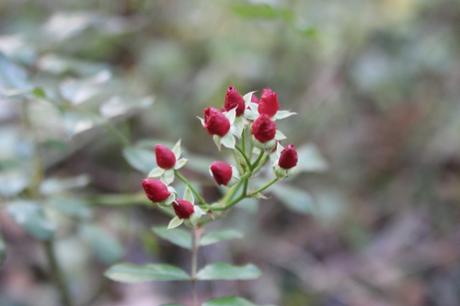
{"x": 222, "y": 235}
{"x": 103, "y": 244}
{"x": 140, "y": 159}
{"x": 177, "y": 236}
{"x": 295, "y": 199}
{"x": 229, "y": 301}
{"x": 175, "y": 222}
{"x": 132, "y": 273}
{"x": 177, "y": 150}
{"x": 31, "y": 218}
{"x": 188, "y": 195}
{"x": 225, "y": 271}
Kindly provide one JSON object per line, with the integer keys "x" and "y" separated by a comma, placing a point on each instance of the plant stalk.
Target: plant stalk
{"x": 196, "y": 234}
{"x": 56, "y": 274}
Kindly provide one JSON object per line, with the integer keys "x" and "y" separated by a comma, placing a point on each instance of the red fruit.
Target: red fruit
{"x": 156, "y": 190}
{"x": 234, "y": 99}
{"x": 264, "y": 129}
{"x": 268, "y": 103}
{"x": 215, "y": 122}
{"x": 288, "y": 157}
{"x": 183, "y": 208}
{"x": 165, "y": 157}
{"x": 222, "y": 172}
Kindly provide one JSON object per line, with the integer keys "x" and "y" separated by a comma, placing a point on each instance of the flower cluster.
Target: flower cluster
{"x": 247, "y": 126}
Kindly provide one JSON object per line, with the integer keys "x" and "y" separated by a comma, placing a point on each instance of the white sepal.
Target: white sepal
{"x": 238, "y": 127}
{"x": 156, "y": 172}
{"x": 231, "y": 115}
{"x": 248, "y": 97}
{"x": 188, "y": 195}
{"x": 279, "y": 135}
{"x": 168, "y": 177}
{"x": 180, "y": 163}
{"x": 197, "y": 214}
{"x": 251, "y": 114}
{"x": 201, "y": 120}
{"x": 283, "y": 114}
{"x": 175, "y": 222}
{"x": 177, "y": 150}
{"x": 171, "y": 198}
{"x": 228, "y": 141}
{"x": 217, "y": 141}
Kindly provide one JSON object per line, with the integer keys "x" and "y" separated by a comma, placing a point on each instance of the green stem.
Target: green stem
{"x": 57, "y": 274}
{"x": 256, "y": 163}
{"x": 246, "y": 160}
{"x": 197, "y": 195}
{"x": 196, "y": 234}
{"x": 264, "y": 187}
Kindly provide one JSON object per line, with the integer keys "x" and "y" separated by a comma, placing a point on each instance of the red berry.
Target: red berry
{"x": 165, "y": 157}
{"x": 264, "y": 129}
{"x": 156, "y": 190}
{"x": 268, "y": 103}
{"x": 234, "y": 99}
{"x": 222, "y": 172}
{"x": 288, "y": 158}
{"x": 183, "y": 208}
{"x": 215, "y": 122}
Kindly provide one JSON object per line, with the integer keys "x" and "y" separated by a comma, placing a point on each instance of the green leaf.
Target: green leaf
{"x": 188, "y": 195}
{"x": 70, "y": 206}
{"x": 31, "y": 218}
{"x": 311, "y": 160}
{"x": 295, "y": 199}
{"x": 39, "y": 92}
{"x": 103, "y": 244}
{"x": 59, "y": 185}
{"x": 171, "y": 305}
{"x": 177, "y": 236}
{"x": 225, "y": 271}
{"x": 222, "y": 235}
{"x": 140, "y": 159}
{"x": 132, "y": 273}
{"x": 262, "y": 11}
{"x": 229, "y": 301}
{"x": 175, "y": 222}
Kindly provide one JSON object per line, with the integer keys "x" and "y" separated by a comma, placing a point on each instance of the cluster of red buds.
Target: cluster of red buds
{"x": 247, "y": 126}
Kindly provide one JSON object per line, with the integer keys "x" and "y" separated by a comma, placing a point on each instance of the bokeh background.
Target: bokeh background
{"x": 371, "y": 219}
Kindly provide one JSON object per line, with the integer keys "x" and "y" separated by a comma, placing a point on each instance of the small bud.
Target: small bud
{"x": 215, "y": 122}
{"x": 268, "y": 103}
{"x": 183, "y": 208}
{"x": 234, "y": 99}
{"x": 288, "y": 157}
{"x": 222, "y": 172}
{"x": 254, "y": 99}
{"x": 264, "y": 129}
{"x": 156, "y": 190}
{"x": 165, "y": 157}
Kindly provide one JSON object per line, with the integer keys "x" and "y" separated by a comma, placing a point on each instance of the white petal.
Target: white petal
{"x": 156, "y": 172}
{"x": 251, "y": 114}
{"x": 201, "y": 120}
{"x": 283, "y": 114}
{"x": 228, "y": 141}
{"x": 188, "y": 195}
{"x": 180, "y": 163}
{"x": 175, "y": 222}
{"x": 238, "y": 127}
{"x": 177, "y": 149}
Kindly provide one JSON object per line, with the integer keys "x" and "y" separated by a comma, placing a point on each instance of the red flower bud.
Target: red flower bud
{"x": 156, "y": 190}
{"x": 222, "y": 172}
{"x": 288, "y": 157}
{"x": 215, "y": 122}
{"x": 263, "y": 128}
{"x": 165, "y": 157}
{"x": 183, "y": 208}
{"x": 234, "y": 99}
{"x": 268, "y": 103}
{"x": 254, "y": 99}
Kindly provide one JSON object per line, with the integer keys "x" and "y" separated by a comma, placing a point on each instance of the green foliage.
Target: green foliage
{"x": 295, "y": 199}
{"x": 220, "y": 235}
{"x": 132, "y": 273}
{"x": 229, "y": 301}
{"x": 2, "y": 251}
{"x": 103, "y": 244}
{"x": 225, "y": 271}
{"x": 31, "y": 217}
{"x": 177, "y": 236}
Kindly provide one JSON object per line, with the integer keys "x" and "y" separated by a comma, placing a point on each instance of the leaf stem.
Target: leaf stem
{"x": 264, "y": 187}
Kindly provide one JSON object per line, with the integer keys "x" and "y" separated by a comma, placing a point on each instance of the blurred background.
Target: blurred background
{"x": 370, "y": 219}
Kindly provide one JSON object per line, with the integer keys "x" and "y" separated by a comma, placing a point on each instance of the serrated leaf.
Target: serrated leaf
{"x": 175, "y": 222}
{"x": 188, "y": 195}
{"x": 295, "y": 199}
{"x": 222, "y": 235}
{"x": 229, "y": 301}
{"x": 140, "y": 159}
{"x": 132, "y": 273}
{"x": 103, "y": 244}
{"x": 226, "y": 271}
{"x": 176, "y": 236}
{"x": 31, "y": 218}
